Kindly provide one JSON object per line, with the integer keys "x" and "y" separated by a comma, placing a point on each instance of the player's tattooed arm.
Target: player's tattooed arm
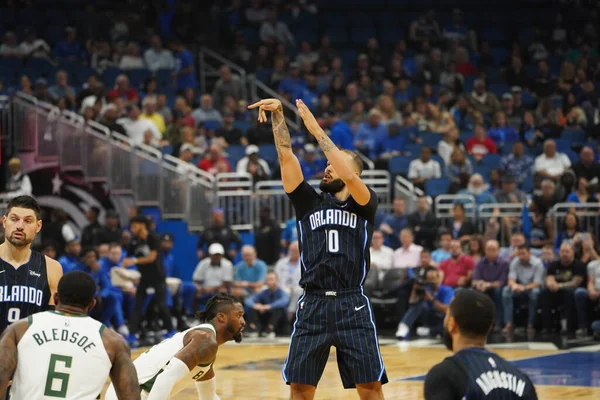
{"x": 8, "y": 360}
{"x": 122, "y": 374}
{"x": 281, "y": 133}
{"x": 200, "y": 347}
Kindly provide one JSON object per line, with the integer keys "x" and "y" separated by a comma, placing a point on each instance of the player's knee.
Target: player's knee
{"x": 302, "y": 392}
{"x": 371, "y": 390}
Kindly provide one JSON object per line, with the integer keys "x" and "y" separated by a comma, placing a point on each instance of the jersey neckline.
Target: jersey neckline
{"x": 68, "y": 315}
{"x": 20, "y": 265}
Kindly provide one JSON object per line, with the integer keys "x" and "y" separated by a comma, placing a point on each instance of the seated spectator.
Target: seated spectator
{"x": 71, "y": 259}
{"x": 206, "y": 112}
{"x": 122, "y": 90}
{"x": 423, "y": 168}
{"x": 509, "y": 253}
{"x": 388, "y": 146}
{"x": 256, "y": 13}
{"x": 448, "y": 144}
{"x": 548, "y": 255}
{"x": 461, "y": 227}
{"x": 551, "y": 164}
{"x": 162, "y": 108}
{"x": 564, "y": 276}
{"x": 517, "y": 164}
{"x": 582, "y": 193}
{"x": 267, "y": 235}
{"x": 516, "y": 74}
{"x": 184, "y": 66}
{"x": 423, "y": 223}
{"x": 476, "y": 248}
{"x": 530, "y": 131}
{"x": 525, "y": 278}
{"x": 19, "y": 183}
{"x": 501, "y": 132}
{"x": 254, "y": 165}
{"x": 10, "y": 47}
{"x": 509, "y": 192}
{"x": 480, "y": 145}
{"x": 407, "y": 256}
{"x": 457, "y": 270}
{"x": 150, "y": 114}
{"x": 157, "y": 57}
{"x": 227, "y": 85}
{"x": 428, "y": 302}
{"x": 381, "y": 255}
{"x": 250, "y": 273}
{"x": 111, "y": 232}
{"x": 289, "y": 270}
{"x": 313, "y": 167}
{"x": 513, "y": 117}
{"x": 490, "y": 275}
{"x": 462, "y": 113}
{"x": 307, "y": 54}
{"x": 439, "y": 121}
{"x": 394, "y": 223}
{"x": 570, "y": 115}
{"x": 387, "y": 109}
{"x": 369, "y": 133}
{"x": 32, "y": 46}
{"x": 479, "y": 190}
{"x": 219, "y": 232}
{"x": 109, "y": 117}
{"x": 69, "y": 49}
{"x": 590, "y": 294}
{"x": 229, "y": 133}
{"x": 483, "y": 101}
{"x": 340, "y": 132}
{"x": 549, "y": 196}
{"x": 541, "y": 232}
{"x": 424, "y": 28}
{"x": 267, "y": 309}
{"x": 569, "y": 229}
{"x": 214, "y": 162}
{"x": 356, "y": 115}
{"x": 273, "y": 31}
{"x": 132, "y": 58}
{"x": 586, "y": 166}
{"x": 442, "y": 253}
{"x": 61, "y": 88}
{"x": 463, "y": 65}
{"x": 458, "y": 170}
{"x": 137, "y": 128}
{"x": 213, "y": 274}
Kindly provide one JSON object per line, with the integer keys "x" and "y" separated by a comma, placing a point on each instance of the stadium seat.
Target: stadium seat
{"x": 528, "y": 185}
{"x": 337, "y": 35}
{"x": 399, "y": 165}
{"x": 212, "y": 125}
{"x": 430, "y": 139}
{"x": 264, "y": 74}
{"x": 434, "y": 187}
{"x": 499, "y": 89}
{"x": 483, "y": 170}
{"x": 137, "y": 77}
{"x": 413, "y": 149}
{"x": 562, "y": 145}
{"x": 492, "y": 160}
{"x": 573, "y": 136}
{"x": 164, "y": 78}
{"x": 573, "y": 156}
{"x": 242, "y": 125}
{"x": 235, "y": 153}
{"x": 465, "y": 135}
{"x": 268, "y": 152}
{"x": 110, "y": 75}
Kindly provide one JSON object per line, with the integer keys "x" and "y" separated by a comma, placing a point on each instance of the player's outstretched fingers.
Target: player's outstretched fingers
{"x": 257, "y": 104}
{"x": 262, "y": 115}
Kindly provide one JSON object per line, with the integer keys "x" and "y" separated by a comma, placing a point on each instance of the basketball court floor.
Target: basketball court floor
{"x": 252, "y": 369}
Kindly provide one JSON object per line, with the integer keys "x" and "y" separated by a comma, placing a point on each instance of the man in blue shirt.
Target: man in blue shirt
{"x": 517, "y": 164}
{"x": 266, "y": 310}
{"x": 394, "y": 223}
{"x": 369, "y": 133}
{"x": 113, "y": 260}
{"x": 340, "y": 133}
{"x": 312, "y": 166}
{"x": 391, "y": 144}
{"x": 429, "y": 302}
{"x": 289, "y": 86}
{"x": 443, "y": 252}
{"x": 250, "y": 273}
{"x": 289, "y": 233}
{"x": 71, "y": 260}
{"x": 69, "y": 49}
{"x": 184, "y": 66}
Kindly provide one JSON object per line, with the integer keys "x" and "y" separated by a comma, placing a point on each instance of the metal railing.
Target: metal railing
{"x": 207, "y": 58}
{"x": 234, "y": 196}
{"x": 405, "y": 189}
{"x": 444, "y": 204}
{"x": 587, "y": 213}
{"x": 505, "y": 218}
{"x": 259, "y": 90}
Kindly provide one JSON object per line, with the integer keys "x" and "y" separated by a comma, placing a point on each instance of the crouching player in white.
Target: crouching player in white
{"x": 189, "y": 355}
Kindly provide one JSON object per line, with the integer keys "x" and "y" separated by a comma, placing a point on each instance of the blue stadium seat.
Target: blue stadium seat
{"x": 360, "y": 20}
{"x": 500, "y": 55}
{"x": 440, "y": 160}
{"x": 563, "y": 145}
{"x": 465, "y": 135}
{"x": 573, "y": 135}
{"x": 264, "y": 74}
{"x": 430, "y": 139}
{"x": 307, "y": 35}
{"x": 137, "y": 77}
{"x": 235, "y": 153}
{"x": 435, "y": 187}
{"x": 499, "y": 88}
{"x": 413, "y": 149}
{"x": 337, "y": 35}
{"x": 528, "y": 185}
{"x": 483, "y": 170}
{"x": 167, "y": 150}
{"x": 164, "y": 78}
{"x": 360, "y": 36}
{"x": 212, "y": 125}
{"x": 349, "y": 57}
{"x": 573, "y": 156}
{"x": 251, "y": 35}
{"x": 399, "y": 165}
{"x": 110, "y": 75}
{"x": 268, "y": 152}
{"x": 493, "y": 34}
{"x": 491, "y": 160}
{"x": 242, "y": 125}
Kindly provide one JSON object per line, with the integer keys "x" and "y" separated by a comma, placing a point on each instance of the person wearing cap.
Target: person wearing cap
{"x": 312, "y": 165}
{"x": 150, "y": 114}
{"x": 109, "y": 116}
{"x": 19, "y": 183}
{"x": 428, "y": 301}
{"x": 253, "y": 164}
{"x": 41, "y": 90}
{"x": 229, "y": 133}
{"x": 213, "y": 274}
{"x": 219, "y": 232}
{"x": 482, "y": 100}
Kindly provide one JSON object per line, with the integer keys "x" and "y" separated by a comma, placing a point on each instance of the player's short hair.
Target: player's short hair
{"x": 27, "y": 202}
{"x": 76, "y": 289}
{"x": 474, "y": 312}
{"x": 218, "y": 303}
{"x": 358, "y": 163}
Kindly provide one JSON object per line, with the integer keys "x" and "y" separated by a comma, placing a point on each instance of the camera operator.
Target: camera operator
{"x": 429, "y": 301}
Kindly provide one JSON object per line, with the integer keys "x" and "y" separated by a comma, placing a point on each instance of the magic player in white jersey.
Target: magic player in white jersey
{"x": 189, "y": 355}
{"x": 64, "y": 354}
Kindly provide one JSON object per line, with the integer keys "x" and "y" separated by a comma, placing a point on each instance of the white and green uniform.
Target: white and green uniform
{"x": 151, "y": 363}
{"x": 61, "y": 356}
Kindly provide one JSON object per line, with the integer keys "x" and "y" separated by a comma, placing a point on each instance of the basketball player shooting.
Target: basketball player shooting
{"x": 28, "y": 279}
{"x": 334, "y": 233}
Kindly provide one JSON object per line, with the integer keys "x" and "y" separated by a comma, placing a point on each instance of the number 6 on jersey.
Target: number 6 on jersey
{"x": 333, "y": 240}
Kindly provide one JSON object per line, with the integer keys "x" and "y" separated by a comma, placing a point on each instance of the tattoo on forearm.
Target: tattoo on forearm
{"x": 125, "y": 379}
{"x": 325, "y": 143}
{"x": 280, "y": 132}
{"x": 8, "y": 361}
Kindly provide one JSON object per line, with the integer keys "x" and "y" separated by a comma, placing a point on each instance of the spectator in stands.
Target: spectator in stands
{"x": 368, "y": 133}
{"x": 456, "y": 30}
{"x": 457, "y": 270}
{"x": 111, "y": 232}
{"x": 227, "y": 85}
{"x": 256, "y": 13}
{"x": 312, "y": 166}
{"x": 219, "y": 232}
{"x": 525, "y": 278}
{"x": 266, "y": 310}
{"x": 250, "y": 273}
{"x": 423, "y": 168}
{"x": 273, "y": 31}
{"x": 449, "y": 142}
{"x": 25, "y": 85}
{"x": 490, "y": 275}
{"x": 32, "y": 46}
{"x": 548, "y": 255}
{"x": 428, "y": 301}
{"x": 564, "y": 276}
{"x": 517, "y": 240}
{"x": 549, "y": 196}
{"x": 517, "y": 164}
{"x": 513, "y": 118}
{"x": 206, "y": 112}
{"x": 582, "y": 193}
{"x": 71, "y": 259}
{"x": 516, "y": 74}
{"x": 479, "y": 190}
{"x": 61, "y": 88}
{"x": 590, "y": 294}
{"x": 570, "y": 115}
{"x": 543, "y": 84}
{"x": 423, "y": 223}
{"x": 530, "y": 132}
{"x": 90, "y": 235}
{"x": 551, "y": 164}
{"x": 230, "y": 134}
{"x": 109, "y": 119}
{"x": 388, "y": 146}
{"x": 462, "y": 228}
{"x": 463, "y": 65}
{"x": 307, "y": 54}
{"x": 381, "y": 255}
{"x": 10, "y": 47}
{"x": 407, "y": 256}
{"x": 509, "y": 192}
{"x": 292, "y": 83}
{"x": 151, "y": 115}
{"x": 18, "y": 183}
{"x": 482, "y": 100}
{"x": 288, "y": 270}
{"x": 123, "y": 91}
{"x": 267, "y": 236}
{"x": 475, "y": 248}
{"x": 49, "y": 250}
{"x": 480, "y": 145}
{"x": 569, "y": 230}
{"x": 162, "y": 108}
{"x": 586, "y": 166}
{"x": 213, "y": 274}
{"x": 458, "y": 170}
{"x": 425, "y": 28}
{"x": 394, "y": 223}
{"x": 41, "y": 90}
{"x": 157, "y": 57}
{"x": 462, "y": 113}
{"x": 69, "y": 49}
{"x": 340, "y": 132}
{"x": 138, "y": 128}
{"x": 132, "y": 58}
{"x": 442, "y": 253}
{"x": 542, "y": 232}
{"x": 438, "y": 121}
{"x": 253, "y": 164}
{"x": 184, "y": 66}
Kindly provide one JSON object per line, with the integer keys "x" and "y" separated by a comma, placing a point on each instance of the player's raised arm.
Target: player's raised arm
{"x": 291, "y": 173}
{"x": 340, "y": 161}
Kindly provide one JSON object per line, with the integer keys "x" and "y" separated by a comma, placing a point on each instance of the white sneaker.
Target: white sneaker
{"x": 270, "y": 335}
{"x": 402, "y": 331}
{"x": 251, "y": 335}
{"x": 123, "y": 330}
{"x": 423, "y": 331}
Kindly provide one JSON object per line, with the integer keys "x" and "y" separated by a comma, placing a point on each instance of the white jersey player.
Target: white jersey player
{"x": 188, "y": 356}
{"x": 65, "y": 354}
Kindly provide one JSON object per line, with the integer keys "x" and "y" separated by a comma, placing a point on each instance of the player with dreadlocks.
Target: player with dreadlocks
{"x": 166, "y": 368}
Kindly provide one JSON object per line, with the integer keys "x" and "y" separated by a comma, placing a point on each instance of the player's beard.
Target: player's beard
{"x": 333, "y": 187}
{"x": 447, "y": 339}
{"x": 19, "y": 242}
{"x": 236, "y": 335}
